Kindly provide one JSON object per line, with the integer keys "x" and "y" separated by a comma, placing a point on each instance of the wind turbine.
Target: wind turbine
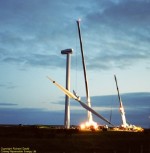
{"x": 67, "y": 52}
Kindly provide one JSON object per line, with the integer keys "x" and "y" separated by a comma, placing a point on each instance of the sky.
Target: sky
{"x": 115, "y": 35}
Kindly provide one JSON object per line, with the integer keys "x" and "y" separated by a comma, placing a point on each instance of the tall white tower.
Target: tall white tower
{"x": 67, "y": 102}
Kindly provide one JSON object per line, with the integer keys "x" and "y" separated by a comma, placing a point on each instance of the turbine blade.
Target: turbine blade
{"x": 71, "y": 95}
{"x": 68, "y": 93}
{"x": 93, "y": 111}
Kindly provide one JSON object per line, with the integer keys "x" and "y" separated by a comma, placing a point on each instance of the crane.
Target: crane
{"x": 90, "y": 121}
{"x": 123, "y": 117}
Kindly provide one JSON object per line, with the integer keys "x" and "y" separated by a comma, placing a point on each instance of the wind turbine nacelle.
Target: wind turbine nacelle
{"x": 67, "y": 51}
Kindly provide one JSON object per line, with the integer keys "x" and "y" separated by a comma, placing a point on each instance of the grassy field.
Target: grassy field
{"x": 32, "y": 139}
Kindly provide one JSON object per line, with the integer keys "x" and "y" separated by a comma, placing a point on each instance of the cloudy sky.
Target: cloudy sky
{"x": 116, "y": 40}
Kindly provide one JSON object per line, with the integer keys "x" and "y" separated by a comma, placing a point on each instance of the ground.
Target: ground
{"x": 38, "y": 139}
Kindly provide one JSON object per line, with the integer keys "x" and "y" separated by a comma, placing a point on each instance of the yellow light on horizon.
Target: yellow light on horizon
{"x": 89, "y": 125}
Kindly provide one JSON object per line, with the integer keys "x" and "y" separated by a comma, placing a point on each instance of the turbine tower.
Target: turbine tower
{"x": 67, "y": 102}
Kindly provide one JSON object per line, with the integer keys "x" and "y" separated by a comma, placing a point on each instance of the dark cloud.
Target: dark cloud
{"x": 122, "y": 60}
{"x": 8, "y": 85}
{"x": 32, "y": 33}
{"x": 128, "y": 12}
{"x": 8, "y": 104}
{"x": 10, "y": 38}
{"x": 29, "y": 116}
{"x": 36, "y": 60}
{"x": 123, "y": 33}
{"x": 140, "y": 99}
{"x": 39, "y": 116}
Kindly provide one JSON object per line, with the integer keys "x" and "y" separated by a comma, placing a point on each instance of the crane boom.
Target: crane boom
{"x": 84, "y": 70}
{"x": 118, "y": 91}
{"x": 124, "y": 123}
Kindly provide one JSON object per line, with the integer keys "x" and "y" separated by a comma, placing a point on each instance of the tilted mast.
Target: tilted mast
{"x": 90, "y": 118}
{"x": 124, "y": 123}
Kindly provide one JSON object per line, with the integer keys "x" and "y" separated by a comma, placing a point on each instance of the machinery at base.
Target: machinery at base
{"x": 77, "y": 98}
{"x": 90, "y": 122}
{"x": 125, "y": 126}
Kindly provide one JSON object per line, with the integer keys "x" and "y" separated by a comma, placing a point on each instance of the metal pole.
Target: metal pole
{"x": 67, "y": 102}
{"x": 90, "y": 118}
{"x": 121, "y": 105}
{"x": 117, "y": 90}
